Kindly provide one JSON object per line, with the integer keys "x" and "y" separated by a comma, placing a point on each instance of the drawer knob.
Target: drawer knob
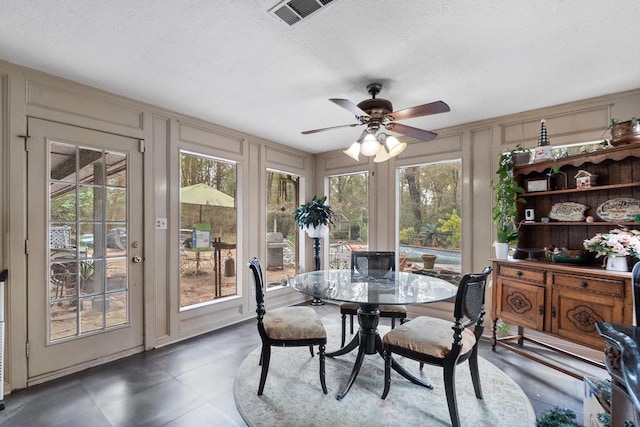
{"x": 584, "y": 284}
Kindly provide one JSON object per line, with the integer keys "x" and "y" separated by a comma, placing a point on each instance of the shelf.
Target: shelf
{"x": 581, "y": 190}
{"x": 615, "y": 154}
{"x": 588, "y": 224}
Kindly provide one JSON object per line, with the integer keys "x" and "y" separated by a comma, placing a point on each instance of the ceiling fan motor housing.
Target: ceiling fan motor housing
{"x": 376, "y": 106}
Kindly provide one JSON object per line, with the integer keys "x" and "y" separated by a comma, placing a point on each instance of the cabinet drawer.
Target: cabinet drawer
{"x": 522, "y": 273}
{"x": 600, "y": 285}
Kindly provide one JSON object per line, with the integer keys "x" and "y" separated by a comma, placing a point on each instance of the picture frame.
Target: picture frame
{"x": 537, "y": 184}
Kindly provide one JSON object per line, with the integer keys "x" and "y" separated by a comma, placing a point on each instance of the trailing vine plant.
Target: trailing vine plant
{"x": 508, "y": 195}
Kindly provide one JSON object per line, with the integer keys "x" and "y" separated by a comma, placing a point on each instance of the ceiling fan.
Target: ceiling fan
{"x": 377, "y": 113}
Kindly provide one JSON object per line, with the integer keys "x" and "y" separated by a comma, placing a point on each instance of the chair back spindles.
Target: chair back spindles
{"x": 286, "y": 327}
{"x": 427, "y": 333}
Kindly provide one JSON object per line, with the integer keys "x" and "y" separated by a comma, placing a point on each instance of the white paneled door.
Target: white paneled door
{"x": 85, "y": 293}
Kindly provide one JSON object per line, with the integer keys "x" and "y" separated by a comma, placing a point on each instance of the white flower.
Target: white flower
{"x": 620, "y": 242}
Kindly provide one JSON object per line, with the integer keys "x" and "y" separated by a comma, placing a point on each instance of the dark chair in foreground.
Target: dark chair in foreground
{"x": 371, "y": 264}
{"x": 429, "y": 340}
{"x": 286, "y": 327}
{"x": 635, "y": 272}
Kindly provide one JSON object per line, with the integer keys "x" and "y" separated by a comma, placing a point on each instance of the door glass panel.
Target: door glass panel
{"x": 87, "y": 241}
{"x": 90, "y": 202}
{"x": 208, "y": 225}
{"x": 430, "y": 218}
{"x": 63, "y": 322}
{"x": 282, "y": 230}
{"x": 91, "y": 166}
{"x": 63, "y": 162}
{"x": 116, "y": 204}
{"x": 63, "y": 202}
{"x": 349, "y": 198}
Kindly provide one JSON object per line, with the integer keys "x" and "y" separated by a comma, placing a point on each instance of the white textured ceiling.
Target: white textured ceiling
{"x": 231, "y": 63}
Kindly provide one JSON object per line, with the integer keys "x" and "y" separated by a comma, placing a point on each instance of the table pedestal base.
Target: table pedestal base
{"x": 368, "y": 341}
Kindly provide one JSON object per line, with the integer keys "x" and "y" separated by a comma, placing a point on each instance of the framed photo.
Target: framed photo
{"x": 533, "y": 185}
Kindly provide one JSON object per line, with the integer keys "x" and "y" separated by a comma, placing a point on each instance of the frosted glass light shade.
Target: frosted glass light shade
{"x": 381, "y": 155}
{"x": 395, "y": 147}
{"x": 353, "y": 151}
{"x": 369, "y": 146}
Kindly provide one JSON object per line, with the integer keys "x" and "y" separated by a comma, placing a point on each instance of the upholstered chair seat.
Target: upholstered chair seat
{"x": 286, "y": 327}
{"x": 444, "y": 343}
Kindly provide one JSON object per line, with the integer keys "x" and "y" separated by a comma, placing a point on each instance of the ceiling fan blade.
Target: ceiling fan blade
{"x": 421, "y": 110}
{"x": 349, "y": 106}
{"x": 421, "y": 134}
{"x": 307, "y": 132}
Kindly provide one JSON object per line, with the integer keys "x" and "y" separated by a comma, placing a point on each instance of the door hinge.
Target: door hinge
{"x": 26, "y": 141}
{"x": 142, "y": 145}
{"x": 27, "y": 350}
{"x": 26, "y": 247}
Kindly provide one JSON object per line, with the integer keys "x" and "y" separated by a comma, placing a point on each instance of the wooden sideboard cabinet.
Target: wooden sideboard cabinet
{"x": 560, "y": 300}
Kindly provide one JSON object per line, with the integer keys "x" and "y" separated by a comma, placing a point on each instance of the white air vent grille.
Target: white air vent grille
{"x": 293, "y": 11}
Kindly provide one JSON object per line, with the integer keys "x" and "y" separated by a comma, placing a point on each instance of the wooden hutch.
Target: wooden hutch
{"x": 566, "y": 300}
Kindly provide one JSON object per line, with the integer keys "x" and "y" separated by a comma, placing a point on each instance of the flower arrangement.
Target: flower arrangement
{"x": 618, "y": 242}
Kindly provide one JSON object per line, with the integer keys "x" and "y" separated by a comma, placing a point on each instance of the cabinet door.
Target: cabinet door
{"x": 520, "y": 303}
{"x": 574, "y": 315}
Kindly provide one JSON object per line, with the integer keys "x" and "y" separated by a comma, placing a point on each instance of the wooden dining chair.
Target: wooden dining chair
{"x": 286, "y": 327}
{"x": 365, "y": 264}
{"x": 429, "y": 340}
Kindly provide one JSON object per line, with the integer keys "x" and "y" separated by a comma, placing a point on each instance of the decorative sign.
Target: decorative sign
{"x": 619, "y": 210}
{"x": 568, "y": 211}
{"x": 201, "y": 237}
{"x": 537, "y": 185}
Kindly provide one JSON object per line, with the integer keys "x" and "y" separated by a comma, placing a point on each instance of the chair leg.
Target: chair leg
{"x": 475, "y": 373}
{"x": 351, "y": 321}
{"x": 403, "y": 320}
{"x": 323, "y": 382}
{"x": 450, "y": 391}
{"x": 344, "y": 329}
{"x": 266, "y": 356}
{"x": 311, "y": 350}
{"x": 387, "y": 373}
{"x": 393, "y": 323}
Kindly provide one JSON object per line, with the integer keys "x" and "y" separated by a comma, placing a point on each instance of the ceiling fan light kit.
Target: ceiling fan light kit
{"x": 377, "y": 113}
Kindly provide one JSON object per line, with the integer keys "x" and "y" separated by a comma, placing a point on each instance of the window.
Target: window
{"x": 282, "y": 230}
{"x": 430, "y": 217}
{"x": 349, "y": 198}
{"x": 208, "y": 229}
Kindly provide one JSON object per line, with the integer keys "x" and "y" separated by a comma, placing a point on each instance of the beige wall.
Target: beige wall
{"x": 25, "y": 93}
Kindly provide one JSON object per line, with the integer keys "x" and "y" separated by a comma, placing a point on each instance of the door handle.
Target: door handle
{"x": 136, "y": 259}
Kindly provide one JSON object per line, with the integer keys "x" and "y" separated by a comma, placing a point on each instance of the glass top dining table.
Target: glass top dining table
{"x": 369, "y": 292}
{"x": 387, "y": 287}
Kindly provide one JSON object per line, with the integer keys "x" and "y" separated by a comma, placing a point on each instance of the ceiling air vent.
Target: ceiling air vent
{"x": 293, "y": 11}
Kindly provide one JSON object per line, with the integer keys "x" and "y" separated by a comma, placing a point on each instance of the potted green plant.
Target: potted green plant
{"x": 520, "y": 155}
{"x": 505, "y": 210}
{"x": 314, "y": 217}
{"x": 624, "y": 132}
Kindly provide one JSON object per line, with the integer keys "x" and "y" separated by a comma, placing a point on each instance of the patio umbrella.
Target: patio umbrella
{"x": 205, "y": 195}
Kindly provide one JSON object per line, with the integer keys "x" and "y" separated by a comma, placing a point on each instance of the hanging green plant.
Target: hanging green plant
{"x": 507, "y": 198}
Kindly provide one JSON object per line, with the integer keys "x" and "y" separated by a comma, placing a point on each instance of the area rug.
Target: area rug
{"x": 293, "y": 395}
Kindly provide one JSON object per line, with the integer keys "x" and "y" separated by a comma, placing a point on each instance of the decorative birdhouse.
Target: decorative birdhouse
{"x": 585, "y": 179}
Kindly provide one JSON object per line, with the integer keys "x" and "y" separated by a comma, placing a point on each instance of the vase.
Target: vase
{"x": 428, "y": 261}
{"x": 502, "y": 250}
{"x": 617, "y": 263}
{"x": 315, "y": 232}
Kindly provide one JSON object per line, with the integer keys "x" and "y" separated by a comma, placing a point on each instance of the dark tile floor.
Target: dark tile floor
{"x": 190, "y": 384}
